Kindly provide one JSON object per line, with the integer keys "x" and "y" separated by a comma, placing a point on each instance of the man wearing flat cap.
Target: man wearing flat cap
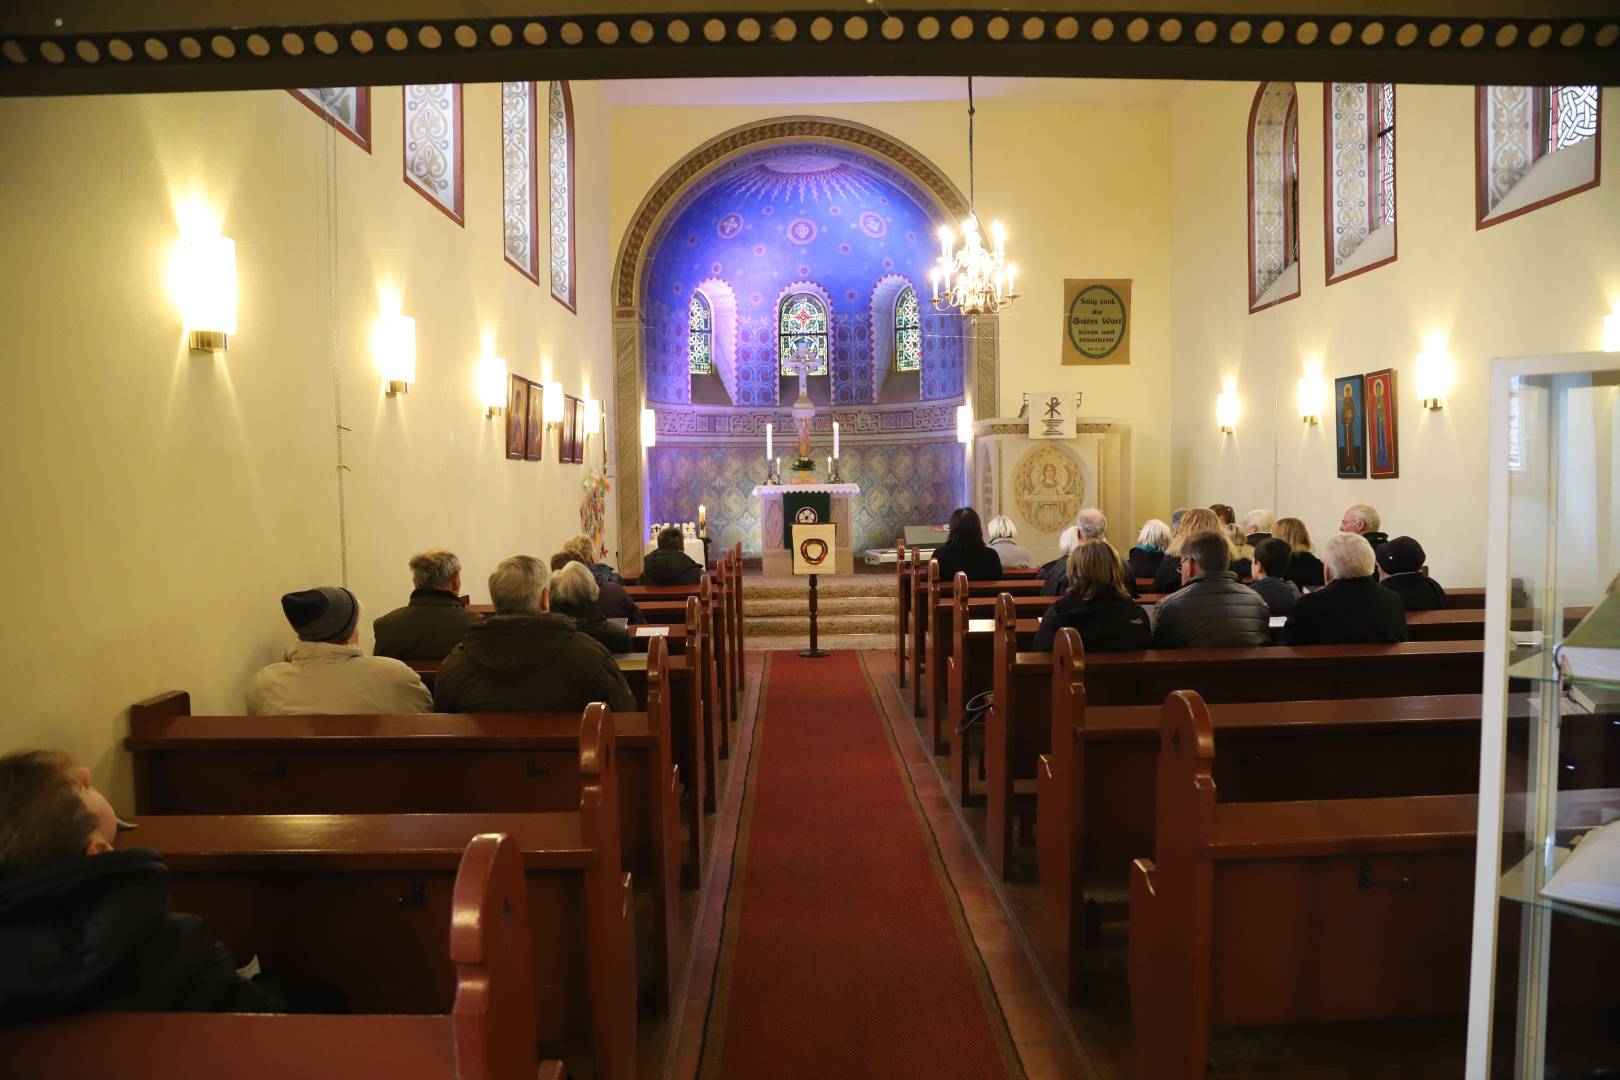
{"x": 326, "y": 672}
{"x": 1400, "y": 570}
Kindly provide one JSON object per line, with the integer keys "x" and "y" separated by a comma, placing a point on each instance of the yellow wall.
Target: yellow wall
{"x": 1536, "y": 284}
{"x": 157, "y": 503}
{"x": 1083, "y": 191}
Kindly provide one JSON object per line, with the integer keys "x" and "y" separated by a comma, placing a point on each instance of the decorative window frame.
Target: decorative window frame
{"x": 1548, "y": 177}
{"x": 722, "y": 331}
{"x": 819, "y": 293}
{"x": 1379, "y": 244}
{"x": 455, "y": 209}
{"x": 563, "y": 287}
{"x": 1285, "y": 283}
{"x": 532, "y": 269}
{"x": 360, "y": 134}
{"x": 885, "y": 300}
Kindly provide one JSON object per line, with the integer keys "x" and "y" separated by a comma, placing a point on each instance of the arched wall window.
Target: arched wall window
{"x": 560, "y": 155}
{"x": 1535, "y": 145}
{"x": 1273, "y": 196}
{"x": 801, "y": 327}
{"x": 1358, "y": 132}
{"x": 432, "y": 145}
{"x": 699, "y": 336}
{"x": 907, "y": 332}
{"x": 895, "y": 319}
{"x": 520, "y": 205}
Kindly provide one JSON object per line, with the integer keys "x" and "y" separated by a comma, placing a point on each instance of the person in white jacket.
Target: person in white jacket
{"x": 326, "y": 672}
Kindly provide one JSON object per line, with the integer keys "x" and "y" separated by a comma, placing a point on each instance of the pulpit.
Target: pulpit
{"x": 774, "y": 551}
{"x": 1042, "y": 483}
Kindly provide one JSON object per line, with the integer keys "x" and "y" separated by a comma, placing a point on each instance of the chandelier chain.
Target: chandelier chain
{"x": 970, "y": 146}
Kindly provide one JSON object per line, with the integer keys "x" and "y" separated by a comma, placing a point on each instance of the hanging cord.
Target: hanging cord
{"x": 970, "y": 147}
{"x": 330, "y": 146}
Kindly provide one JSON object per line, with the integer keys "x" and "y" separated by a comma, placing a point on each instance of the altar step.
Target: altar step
{"x": 778, "y": 610}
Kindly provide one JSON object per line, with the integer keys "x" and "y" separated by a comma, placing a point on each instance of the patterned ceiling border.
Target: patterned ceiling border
{"x": 1421, "y": 48}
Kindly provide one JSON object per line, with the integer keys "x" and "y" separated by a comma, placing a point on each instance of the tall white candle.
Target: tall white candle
{"x": 768, "y": 454}
{"x": 835, "y": 438}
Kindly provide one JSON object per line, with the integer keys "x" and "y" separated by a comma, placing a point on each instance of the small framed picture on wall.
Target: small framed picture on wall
{"x": 517, "y": 413}
{"x": 533, "y": 450}
{"x": 1350, "y": 425}
{"x": 1383, "y": 440}
{"x": 573, "y": 442}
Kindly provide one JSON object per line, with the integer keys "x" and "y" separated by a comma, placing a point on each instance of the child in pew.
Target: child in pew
{"x": 85, "y": 928}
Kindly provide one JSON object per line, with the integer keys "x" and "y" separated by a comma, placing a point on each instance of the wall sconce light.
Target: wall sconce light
{"x": 206, "y": 281}
{"x": 1433, "y": 372}
{"x": 593, "y": 416}
{"x": 649, "y": 428}
{"x": 1311, "y": 394}
{"x": 964, "y": 424}
{"x": 492, "y": 384}
{"x": 1226, "y": 410}
{"x": 1611, "y": 330}
{"x": 394, "y": 343}
{"x": 551, "y": 403}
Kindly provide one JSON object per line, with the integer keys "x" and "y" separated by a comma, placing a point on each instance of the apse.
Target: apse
{"x": 812, "y": 251}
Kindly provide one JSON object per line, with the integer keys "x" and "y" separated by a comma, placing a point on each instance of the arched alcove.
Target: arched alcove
{"x": 758, "y": 209}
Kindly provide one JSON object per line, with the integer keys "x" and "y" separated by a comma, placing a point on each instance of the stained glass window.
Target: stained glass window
{"x": 1291, "y": 183}
{"x": 700, "y": 335}
{"x": 1273, "y": 191}
{"x": 346, "y": 108}
{"x": 907, "y": 332}
{"x": 520, "y": 214}
{"x": 802, "y": 328}
{"x": 1383, "y": 129}
{"x": 432, "y": 144}
{"x": 560, "y": 154}
{"x": 1571, "y": 115}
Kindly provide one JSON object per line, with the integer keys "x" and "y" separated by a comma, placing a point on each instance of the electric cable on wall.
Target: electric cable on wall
{"x": 329, "y": 144}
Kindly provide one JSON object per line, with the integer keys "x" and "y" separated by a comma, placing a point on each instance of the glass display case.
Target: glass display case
{"x": 1545, "y": 989}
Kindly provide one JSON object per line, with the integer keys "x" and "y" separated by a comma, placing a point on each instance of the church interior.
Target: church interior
{"x": 276, "y": 351}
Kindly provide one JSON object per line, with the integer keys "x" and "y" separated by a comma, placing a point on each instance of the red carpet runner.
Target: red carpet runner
{"x": 842, "y": 956}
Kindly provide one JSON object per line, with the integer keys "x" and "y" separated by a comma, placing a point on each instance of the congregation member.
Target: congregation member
{"x": 526, "y": 658}
{"x": 964, "y": 549}
{"x": 1092, "y": 523}
{"x": 670, "y": 564}
{"x": 1400, "y": 570}
{"x": 1053, "y": 573}
{"x": 573, "y": 593}
{"x": 1097, "y": 604}
{"x": 1197, "y": 520}
{"x": 1361, "y": 519}
{"x": 326, "y": 672}
{"x": 87, "y": 928}
{"x": 1004, "y": 542}
{"x": 1352, "y": 609}
{"x": 1270, "y": 576}
{"x": 1304, "y": 568}
{"x": 1256, "y": 526}
{"x": 1151, "y": 540}
{"x": 1225, "y": 513}
{"x": 1212, "y": 609}
{"x": 434, "y": 620}
{"x": 581, "y": 547}
{"x": 611, "y": 598}
{"x": 1242, "y": 553}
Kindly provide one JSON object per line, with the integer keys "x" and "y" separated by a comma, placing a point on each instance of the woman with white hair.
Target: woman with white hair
{"x": 1352, "y": 609}
{"x": 1003, "y": 537}
{"x": 573, "y": 593}
{"x": 1145, "y": 557}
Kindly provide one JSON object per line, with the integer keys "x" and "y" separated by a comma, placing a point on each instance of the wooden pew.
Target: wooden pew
{"x": 929, "y": 698}
{"x": 736, "y": 615}
{"x": 1095, "y": 788}
{"x": 902, "y": 609}
{"x": 360, "y": 901}
{"x": 1289, "y": 912}
{"x": 453, "y": 763}
{"x": 715, "y": 633}
{"x": 488, "y": 1033}
{"x": 969, "y": 667}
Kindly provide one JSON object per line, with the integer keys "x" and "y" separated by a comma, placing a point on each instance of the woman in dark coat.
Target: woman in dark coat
{"x": 1098, "y": 604}
{"x": 1148, "y": 554}
{"x": 1304, "y": 568}
{"x": 573, "y": 593}
{"x": 964, "y": 549}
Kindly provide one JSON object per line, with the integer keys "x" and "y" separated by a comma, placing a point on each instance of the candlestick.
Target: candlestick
{"x": 835, "y": 439}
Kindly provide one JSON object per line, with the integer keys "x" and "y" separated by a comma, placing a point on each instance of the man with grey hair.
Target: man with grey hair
{"x": 1089, "y": 524}
{"x": 1093, "y": 525}
{"x": 1257, "y": 526}
{"x": 435, "y": 620}
{"x": 526, "y": 658}
{"x": 1363, "y": 521}
{"x": 1351, "y": 609}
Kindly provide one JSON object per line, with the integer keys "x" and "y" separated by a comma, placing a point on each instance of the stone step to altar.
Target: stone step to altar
{"x": 829, "y": 642}
{"x": 768, "y": 626}
{"x": 828, "y": 605}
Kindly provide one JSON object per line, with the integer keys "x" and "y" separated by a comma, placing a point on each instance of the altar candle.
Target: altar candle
{"x": 767, "y": 442}
{"x": 829, "y": 464}
{"x": 777, "y": 469}
{"x": 835, "y": 438}
{"x": 703, "y": 519}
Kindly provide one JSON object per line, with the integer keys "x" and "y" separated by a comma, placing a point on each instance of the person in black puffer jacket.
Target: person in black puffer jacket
{"x": 85, "y": 928}
{"x": 1213, "y": 609}
{"x": 670, "y": 564}
{"x": 1097, "y": 604}
{"x": 1400, "y": 570}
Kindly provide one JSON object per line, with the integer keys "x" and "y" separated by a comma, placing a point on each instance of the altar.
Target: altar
{"x": 774, "y": 535}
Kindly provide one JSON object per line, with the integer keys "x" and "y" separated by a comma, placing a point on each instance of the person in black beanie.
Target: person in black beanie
{"x": 325, "y": 672}
{"x": 1400, "y": 570}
